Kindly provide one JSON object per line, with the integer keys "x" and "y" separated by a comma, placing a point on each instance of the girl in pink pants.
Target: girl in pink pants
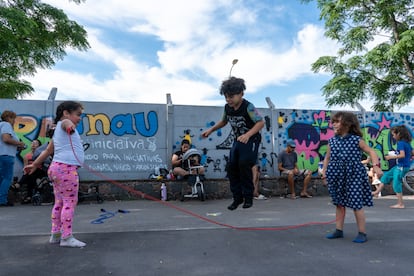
{"x": 67, "y": 150}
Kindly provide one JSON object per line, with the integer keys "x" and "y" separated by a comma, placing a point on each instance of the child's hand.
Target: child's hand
{"x": 68, "y": 126}
{"x": 205, "y": 134}
{"x": 70, "y": 130}
{"x": 378, "y": 171}
{"x": 29, "y": 169}
{"x": 243, "y": 138}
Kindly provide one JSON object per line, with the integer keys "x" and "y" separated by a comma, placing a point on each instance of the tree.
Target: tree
{"x": 383, "y": 73}
{"x": 33, "y": 35}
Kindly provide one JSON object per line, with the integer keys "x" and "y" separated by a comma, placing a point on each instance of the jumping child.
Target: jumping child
{"x": 246, "y": 123}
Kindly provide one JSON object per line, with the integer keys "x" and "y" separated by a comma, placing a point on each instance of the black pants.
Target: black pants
{"x": 30, "y": 180}
{"x": 242, "y": 159}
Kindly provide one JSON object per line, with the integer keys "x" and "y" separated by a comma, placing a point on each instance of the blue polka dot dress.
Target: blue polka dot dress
{"x": 347, "y": 177}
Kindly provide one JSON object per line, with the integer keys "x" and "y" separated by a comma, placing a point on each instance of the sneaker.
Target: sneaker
{"x": 247, "y": 203}
{"x": 55, "y": 238}
{"x": 376, "y": 182}
{"x": 335, "y": 235}
{"x": 360, "y": 238}
{"x": 234, "y": 205}
{"x": 71, "y": 242}
{"x": 260, "y": 197}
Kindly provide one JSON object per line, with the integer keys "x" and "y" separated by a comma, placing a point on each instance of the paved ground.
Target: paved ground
{"x": 204, "y": 238}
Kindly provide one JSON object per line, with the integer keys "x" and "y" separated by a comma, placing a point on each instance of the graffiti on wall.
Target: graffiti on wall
{"x": 311, "y": 131}
{"x": 122, "y": 143}
{"x": 131, "y": 145}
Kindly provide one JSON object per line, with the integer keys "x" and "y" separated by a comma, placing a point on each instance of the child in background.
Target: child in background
{"x": 403, "y": 158}
{"x": 346, "y": 176}
{"x": 68, "y": 156}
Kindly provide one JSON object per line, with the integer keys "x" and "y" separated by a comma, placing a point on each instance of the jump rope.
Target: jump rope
{"x": 182, "y": 210}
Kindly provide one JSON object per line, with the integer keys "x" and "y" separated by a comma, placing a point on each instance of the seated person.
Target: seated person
{"x": 373, "y": 177}
{"x": 180, "y": 166}
{"x": 29, "y": 180}
{"x": 287, "y": 164}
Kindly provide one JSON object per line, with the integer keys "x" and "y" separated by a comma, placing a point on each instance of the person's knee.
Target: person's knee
{"x": 397, "y": 186}
{"x": 179, "y": 171}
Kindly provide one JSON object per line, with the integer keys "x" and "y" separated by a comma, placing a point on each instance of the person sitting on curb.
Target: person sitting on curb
{"x": 287, "y": 164}
{"x": 373, "y": 177}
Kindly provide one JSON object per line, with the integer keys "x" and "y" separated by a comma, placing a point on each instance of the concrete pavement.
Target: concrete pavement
{"x": 284, "y": 237}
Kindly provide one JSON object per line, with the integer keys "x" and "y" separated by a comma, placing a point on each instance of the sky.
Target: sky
{"x": 143, "y": 50}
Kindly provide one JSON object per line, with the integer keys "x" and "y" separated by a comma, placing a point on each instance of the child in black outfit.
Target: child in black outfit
{"x": 246, "y": 123}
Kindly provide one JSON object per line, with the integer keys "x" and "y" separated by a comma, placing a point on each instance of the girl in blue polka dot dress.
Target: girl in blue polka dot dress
{"x": 345, "y": 175}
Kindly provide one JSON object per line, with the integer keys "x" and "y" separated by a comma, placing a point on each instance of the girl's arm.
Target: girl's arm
{"x": 326, "y": 161}
{"x": 68, "y": 126}
{"x": 400, "y": 155}
{"x": 40, "y": 159}
{"x": 376, "y": 165}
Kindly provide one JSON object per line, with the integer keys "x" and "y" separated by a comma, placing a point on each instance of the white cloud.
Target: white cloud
{"x": 196, "y": 55}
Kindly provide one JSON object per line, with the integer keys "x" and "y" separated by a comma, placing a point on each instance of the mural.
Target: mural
{"x": 124, "y": 144}
{"x": 311, "y": 131}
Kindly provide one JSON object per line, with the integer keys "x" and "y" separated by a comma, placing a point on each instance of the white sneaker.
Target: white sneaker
{"x": 376, "y": 182}
{"x": 71, "y": 242}
{"x": 260, "y": 197}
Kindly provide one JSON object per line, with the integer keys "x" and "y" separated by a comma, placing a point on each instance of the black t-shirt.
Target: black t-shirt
{"x": 243, "y": 119}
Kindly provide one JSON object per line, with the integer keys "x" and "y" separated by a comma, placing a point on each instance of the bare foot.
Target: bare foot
{"x": 397, "y": 206}
{"x": 306, "y": 195}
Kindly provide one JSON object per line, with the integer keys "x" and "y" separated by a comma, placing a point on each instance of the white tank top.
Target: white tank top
{"x": 65, "y": 151}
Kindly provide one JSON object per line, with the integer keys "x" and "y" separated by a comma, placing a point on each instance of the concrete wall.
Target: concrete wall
{"x": 128, "y": 141}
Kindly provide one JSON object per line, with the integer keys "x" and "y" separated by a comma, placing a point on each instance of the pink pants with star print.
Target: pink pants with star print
{"x": 65, "y": 181}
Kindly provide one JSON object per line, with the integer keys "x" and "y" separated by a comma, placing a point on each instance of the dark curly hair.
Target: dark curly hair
{"x": 403, "y": 132}
{"x": 232, "y": 86}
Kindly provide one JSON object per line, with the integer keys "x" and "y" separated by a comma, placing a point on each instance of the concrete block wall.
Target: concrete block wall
{"x": 214, "y": 189}
{"x": 129, "y": 141}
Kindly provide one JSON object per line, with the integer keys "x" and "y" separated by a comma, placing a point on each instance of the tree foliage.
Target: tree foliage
{"x": 383, "y": 73}
{"x": 33, "y": 35}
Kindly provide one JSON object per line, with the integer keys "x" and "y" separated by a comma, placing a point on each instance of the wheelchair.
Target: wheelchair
{"x": 192, "y": 159}
{"x": 43, "y": 192}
